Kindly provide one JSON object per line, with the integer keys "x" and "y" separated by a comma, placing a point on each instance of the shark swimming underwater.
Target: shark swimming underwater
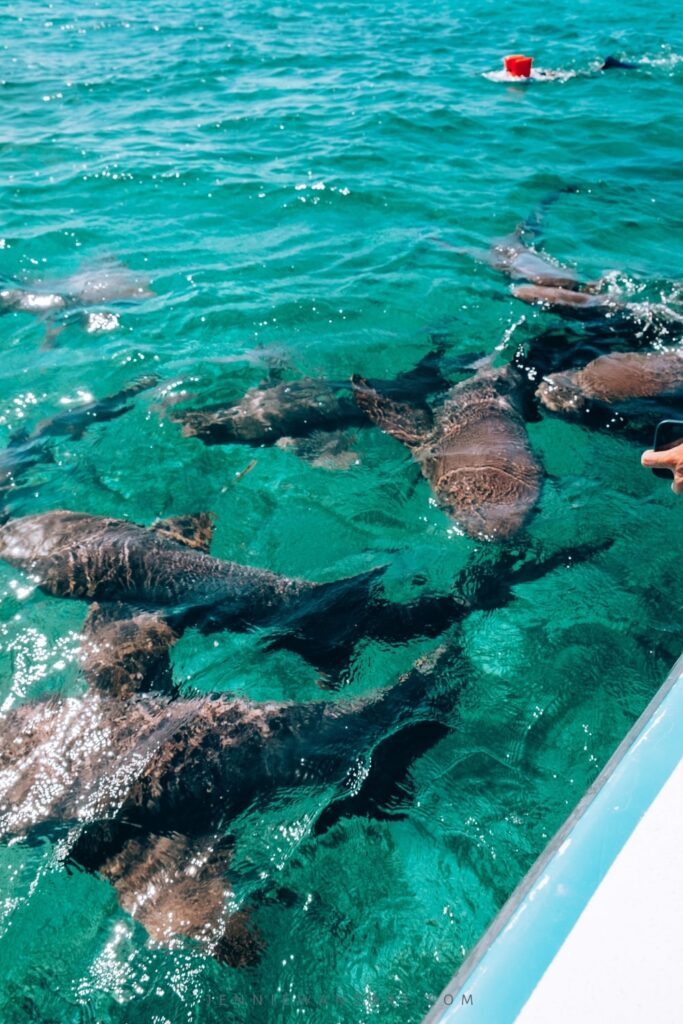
{"x": 139, "y": 788}
{"x": 156, "y": 582}
{"x": 290, "y": 413}
{"x": 516, "y": 255}
{"x": 139, "y": 785}
{"x": 642, "y": 323}
{"x": 108, "y": 282}
{"x": 167, "y": 569}
{"x": 159, "y": 581}
{"x": 572, "y": 303}
{"x": 83, "y": 298}
{"x": 27, "y": 448}
{"x": 629, "y": 390}
{"x": 473, "y": 449}
{"x": 520, "y": 262}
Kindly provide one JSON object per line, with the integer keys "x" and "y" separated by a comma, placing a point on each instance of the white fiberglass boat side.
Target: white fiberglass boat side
{"x": 595, "y": 930}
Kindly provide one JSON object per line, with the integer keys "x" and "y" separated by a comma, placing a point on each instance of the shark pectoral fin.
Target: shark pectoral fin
{"x": 142, "y": 383}
{"x": 538, "y": 563}
{"x": 18, "y": 437}
{"x": 126, "y": 650}
{"x": 324, "y": 449}
{"x": 406, "y": 423}
{"x": 76, "y": 431}
{"x": 194, "y": 530}
{"x": 52, "y": 331}
{"x": 176, "y": 886}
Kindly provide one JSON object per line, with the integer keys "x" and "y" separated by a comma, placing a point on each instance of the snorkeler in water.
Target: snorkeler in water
{"x": 519, "y": 68}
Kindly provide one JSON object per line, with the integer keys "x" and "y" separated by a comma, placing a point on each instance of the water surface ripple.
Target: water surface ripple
{"x": 281, "y": 174}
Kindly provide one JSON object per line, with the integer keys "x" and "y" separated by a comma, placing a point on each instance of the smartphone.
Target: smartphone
{"x": 668, "y": 434}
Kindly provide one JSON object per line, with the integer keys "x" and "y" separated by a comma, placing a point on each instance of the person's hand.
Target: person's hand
{"x": 671, "y": 459}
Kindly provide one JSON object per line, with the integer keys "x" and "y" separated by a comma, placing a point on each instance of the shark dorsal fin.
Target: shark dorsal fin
{"x": 194, "y": 530}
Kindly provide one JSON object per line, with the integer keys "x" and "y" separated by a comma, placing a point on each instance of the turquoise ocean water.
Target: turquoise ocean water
{"x": 279, "y": 174}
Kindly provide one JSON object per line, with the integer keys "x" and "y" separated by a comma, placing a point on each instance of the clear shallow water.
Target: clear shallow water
{"x": 279, "y": 174}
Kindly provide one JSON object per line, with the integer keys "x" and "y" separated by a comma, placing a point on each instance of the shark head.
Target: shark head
{"x": 30, "y": 542}
{"x": 559, "y": 392}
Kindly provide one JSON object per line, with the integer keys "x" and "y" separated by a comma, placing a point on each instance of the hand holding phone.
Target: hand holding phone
{"x": 666, "y": 457}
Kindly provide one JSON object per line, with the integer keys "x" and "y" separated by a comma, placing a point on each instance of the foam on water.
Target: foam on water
{"x": 536, "y": 75}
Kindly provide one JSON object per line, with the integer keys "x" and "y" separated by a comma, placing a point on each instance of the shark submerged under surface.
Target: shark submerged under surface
{"x": 140, "y": 788}
{"x": 292, "y": 411}
{"x": 109, "y": 282}
{"x": 167, "y": 568}
{"x": 140, "y": 785}
{"x": 27, "y": 448}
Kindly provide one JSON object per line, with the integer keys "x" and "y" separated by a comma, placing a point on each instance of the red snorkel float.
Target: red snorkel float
{"x": 518, "y": 65}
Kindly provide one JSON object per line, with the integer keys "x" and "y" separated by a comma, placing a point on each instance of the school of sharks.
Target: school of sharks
{"x": 142, "y": 779}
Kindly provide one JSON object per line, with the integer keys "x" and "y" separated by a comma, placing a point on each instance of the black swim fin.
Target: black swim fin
{"x": 613, "y": 62}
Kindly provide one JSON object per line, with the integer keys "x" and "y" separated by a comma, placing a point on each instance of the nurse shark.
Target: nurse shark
{"x": 140, "y": 785}
{"x": 473, "y": 449}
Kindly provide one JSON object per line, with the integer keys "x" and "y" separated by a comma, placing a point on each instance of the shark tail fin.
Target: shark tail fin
{"x": 401, "y": 723}
{"x": 17, "y": 437}
{"x": 531, "y": 228}
{"x": 539, "y": 563}
{"x": 328, "y": 622}
{"x": 386, "y": 788}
